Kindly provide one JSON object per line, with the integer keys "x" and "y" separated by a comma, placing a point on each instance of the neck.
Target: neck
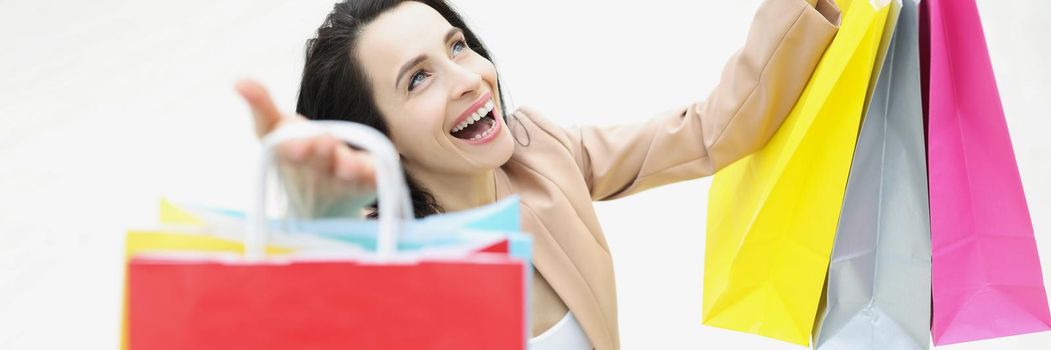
{"x": 455, "y": 192}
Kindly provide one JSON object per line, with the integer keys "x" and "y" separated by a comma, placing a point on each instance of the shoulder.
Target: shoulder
{"x": 537, "y": 128}
{"x": 541, "y": 140}
{"x": 532, "y": 118}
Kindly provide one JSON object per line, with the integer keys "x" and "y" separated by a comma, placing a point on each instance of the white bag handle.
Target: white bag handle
{"x": 391, "y": 188}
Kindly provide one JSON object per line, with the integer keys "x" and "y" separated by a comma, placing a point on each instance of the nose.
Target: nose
{"x": 465, "y": 82}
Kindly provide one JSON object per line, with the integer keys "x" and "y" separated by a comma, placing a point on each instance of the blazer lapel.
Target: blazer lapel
{"x": 553, "y": 262}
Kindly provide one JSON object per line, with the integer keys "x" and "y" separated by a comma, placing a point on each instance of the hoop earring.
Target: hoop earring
{"x": 515, "y": 134}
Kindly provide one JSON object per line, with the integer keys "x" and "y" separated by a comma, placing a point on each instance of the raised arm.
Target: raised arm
{"x": 757, "y": 90}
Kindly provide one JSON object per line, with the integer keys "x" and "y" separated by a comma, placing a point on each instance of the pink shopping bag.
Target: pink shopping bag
{"x": 986, "y": 276}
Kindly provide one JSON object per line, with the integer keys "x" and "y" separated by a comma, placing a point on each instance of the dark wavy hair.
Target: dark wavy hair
{"x": 335, "y": 86}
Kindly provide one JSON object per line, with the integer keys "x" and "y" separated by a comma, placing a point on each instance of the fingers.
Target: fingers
{"x": 325, "y": 155}
{"x": 354, "y": 167}
{"x": 330, "y": 158}
{"x": 294, "y": 151}
{"x": 266, "y": 115}
{"x": 321, "y": 154}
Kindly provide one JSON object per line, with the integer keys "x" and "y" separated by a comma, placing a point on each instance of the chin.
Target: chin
{"x": 496, "y": 153}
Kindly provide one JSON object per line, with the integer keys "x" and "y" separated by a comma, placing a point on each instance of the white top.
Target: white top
{"x": 564, "y": 335}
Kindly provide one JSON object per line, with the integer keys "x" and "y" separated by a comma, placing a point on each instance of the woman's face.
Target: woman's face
{"x": 438, "y": 97}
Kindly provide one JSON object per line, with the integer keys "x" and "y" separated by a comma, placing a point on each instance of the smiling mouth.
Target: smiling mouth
{"x": 477, "y": 126}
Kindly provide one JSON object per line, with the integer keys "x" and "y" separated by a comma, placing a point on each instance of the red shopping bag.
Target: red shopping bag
{"x": 471, "y": 303}
{"x": 445, "y": 299}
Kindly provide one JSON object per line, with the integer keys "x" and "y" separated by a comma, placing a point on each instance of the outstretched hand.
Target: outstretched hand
{"x": 322, "y": 175}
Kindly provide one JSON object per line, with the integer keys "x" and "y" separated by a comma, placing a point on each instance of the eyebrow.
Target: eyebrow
{"x": 415, "y": 61}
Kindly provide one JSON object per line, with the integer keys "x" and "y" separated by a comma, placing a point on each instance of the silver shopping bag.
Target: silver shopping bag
{"x": 879, "y": 278}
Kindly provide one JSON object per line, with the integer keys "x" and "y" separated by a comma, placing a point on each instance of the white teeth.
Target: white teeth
{"x": 485, "y": 133}
{"x": 476, "y": 116}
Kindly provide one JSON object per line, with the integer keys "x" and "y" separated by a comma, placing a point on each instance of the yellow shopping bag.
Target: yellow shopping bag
{"x": 772, "y": 216}
{"x": 184, "y": 233}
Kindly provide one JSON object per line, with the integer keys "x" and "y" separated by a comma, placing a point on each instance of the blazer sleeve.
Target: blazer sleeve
{"x": 758, "y": 88}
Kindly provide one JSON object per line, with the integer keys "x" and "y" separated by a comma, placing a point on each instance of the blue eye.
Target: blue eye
{"x": 416, "y": 79}
{"x": 459, "y": 46}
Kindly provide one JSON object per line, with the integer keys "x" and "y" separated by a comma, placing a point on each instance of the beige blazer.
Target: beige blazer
{"x": 562, "y": 171}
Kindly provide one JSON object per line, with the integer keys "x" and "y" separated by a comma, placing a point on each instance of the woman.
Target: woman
{"x": 415, "y": 71}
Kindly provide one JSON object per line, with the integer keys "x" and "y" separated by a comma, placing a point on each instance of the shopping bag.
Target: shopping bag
{"x": 772, "y": 215}
{"x": 174, "y": 239}
{"x": 190, "y": 228}
{"x": 363, "y": 300}
{"x": 986, "y": 274}
{"x": 879, "y": 277}
{"x": 495, "y": 222}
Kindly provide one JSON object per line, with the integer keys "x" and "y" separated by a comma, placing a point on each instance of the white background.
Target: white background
{"x": 107, "y": 105}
